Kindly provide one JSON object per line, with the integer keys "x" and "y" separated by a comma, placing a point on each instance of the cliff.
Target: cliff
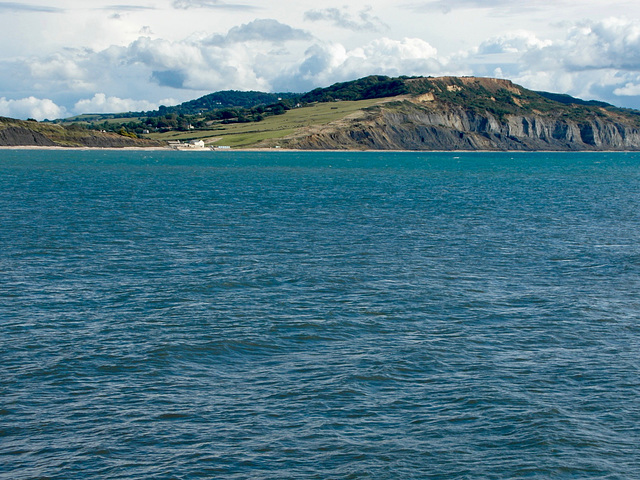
{"x": 34, "y": 134}
{"x": 451, "y": 113}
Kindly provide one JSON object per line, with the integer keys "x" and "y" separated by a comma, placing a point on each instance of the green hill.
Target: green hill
{"x": 222, "y": 100}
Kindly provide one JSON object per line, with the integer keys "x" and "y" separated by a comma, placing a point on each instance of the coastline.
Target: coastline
{"x": 57, "y": 147}
{"x": 271, "y": 149}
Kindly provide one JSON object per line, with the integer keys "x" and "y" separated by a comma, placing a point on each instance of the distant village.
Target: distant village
{"x": 195, "y": 145}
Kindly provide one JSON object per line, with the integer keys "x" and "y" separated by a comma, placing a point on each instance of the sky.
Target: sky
{"x": 66, "y": 57}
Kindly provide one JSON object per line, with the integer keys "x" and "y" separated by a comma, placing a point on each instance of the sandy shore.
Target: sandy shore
{"x": 36, "y": 147}
{"x": 271, "y": 149}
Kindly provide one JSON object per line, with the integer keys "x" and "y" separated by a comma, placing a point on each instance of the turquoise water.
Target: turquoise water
{"x": 319, "y": 315}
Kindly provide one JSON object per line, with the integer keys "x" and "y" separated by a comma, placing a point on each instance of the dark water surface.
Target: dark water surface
{"x": 319, "y": 316}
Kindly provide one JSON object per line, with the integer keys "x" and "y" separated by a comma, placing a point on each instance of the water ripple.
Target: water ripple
{"x": 319, "y": 316}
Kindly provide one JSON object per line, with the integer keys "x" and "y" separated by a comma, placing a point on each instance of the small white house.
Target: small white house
{"x": 196, "y": 144}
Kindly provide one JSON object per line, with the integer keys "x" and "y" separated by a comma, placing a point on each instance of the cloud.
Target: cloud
{"x": 512, "y": 43}
{"x": 630, "y": 89}
{"x": 244, "y": 58}
{"x": 261, "y": 55}
{"x": 342, "y": 18}
{"x": 587, "y": 47}
{"x": 610, "y": 43}
{"x": 266, "y": 30}
{"x": 67, "y": 70}
{"x": 595, "y": 59}
{"x": 169, "y": 78}
{"x": 327, "y": 63}
{"x": 160, "y": 54}
{"x": 186, "y": 4}
{"x": 590, "y": 49}
{"x": 25, "y": 7}
{"x": 100, "y": 103}
{"x": 31, "y": 107}
{"x": 58, "y": 67}
{"x": 447, "y": 6}
{"x": 196, "y": 64}
{"x": 128, "y": 8}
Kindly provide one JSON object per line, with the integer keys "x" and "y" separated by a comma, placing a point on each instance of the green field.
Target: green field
{"x": 248, "y": 134}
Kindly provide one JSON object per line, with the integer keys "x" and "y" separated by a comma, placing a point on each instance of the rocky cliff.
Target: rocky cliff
{"x": 15, "y": 133}
{"x": 476, "y": 114}
{"x": 21, "y": 136}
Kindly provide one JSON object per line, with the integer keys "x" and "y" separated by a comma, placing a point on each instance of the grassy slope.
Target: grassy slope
{"x": 249, "y": 134}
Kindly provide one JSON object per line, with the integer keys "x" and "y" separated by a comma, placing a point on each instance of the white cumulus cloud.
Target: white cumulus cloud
{"x": 512, "y": 42}
{"x": 630, "y": 90}
{"x": 31, "y": 107}
{"x": 100, "y": 103}
{"x": 593, "y": 60}
{"x": 326, "y": 63}
{"x": 589, "y": 45}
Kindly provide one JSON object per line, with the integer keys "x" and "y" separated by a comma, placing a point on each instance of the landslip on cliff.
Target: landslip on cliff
{"x": 474, "y": 114}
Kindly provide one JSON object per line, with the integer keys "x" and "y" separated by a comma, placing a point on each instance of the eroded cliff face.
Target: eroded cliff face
{"x": 16, "y": 133}
{"x": 20, "y": 136}
{"x": 408, "y": 125}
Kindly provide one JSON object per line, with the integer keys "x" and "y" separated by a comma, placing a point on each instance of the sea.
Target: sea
{"x": 314, "y": 315}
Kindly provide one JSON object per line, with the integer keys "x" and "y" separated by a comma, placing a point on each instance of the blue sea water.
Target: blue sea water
{"x": 170, "y": 315}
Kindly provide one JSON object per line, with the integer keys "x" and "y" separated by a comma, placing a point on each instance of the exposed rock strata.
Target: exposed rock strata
{"x": 409, "y": 126}
{"x": 20, "y": 136}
